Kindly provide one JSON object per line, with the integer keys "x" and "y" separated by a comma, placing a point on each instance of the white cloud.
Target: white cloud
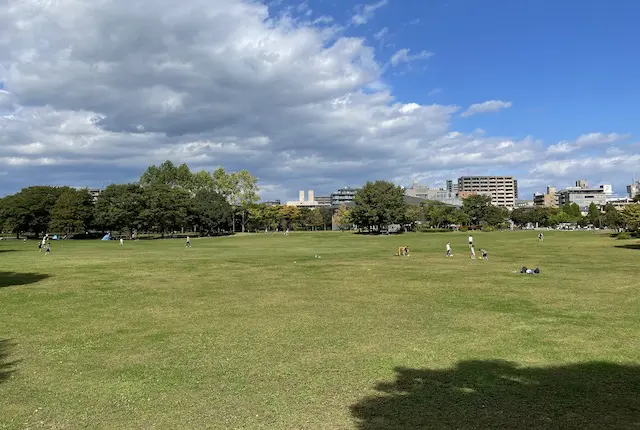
{"x": 96, "y": 91}
{"x": 403, "y": 56}
{"x": 486, "y": 107}
{"x": 586, "y": 140}
{"x": 366, "y": 12}
{"x": 380, "y": 35}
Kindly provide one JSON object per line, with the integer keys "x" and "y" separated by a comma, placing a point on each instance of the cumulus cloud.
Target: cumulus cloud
{"x": 365, "y": 12}
{"x": 587, "y": 140}
{"x": 96, "y": 91}
{"x": 486, "y": 107}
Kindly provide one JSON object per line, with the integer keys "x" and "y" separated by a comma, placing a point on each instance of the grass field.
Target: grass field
{"x": 255, "y": 332}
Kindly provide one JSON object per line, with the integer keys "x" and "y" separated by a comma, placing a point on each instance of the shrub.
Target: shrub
{"x": 623, "y": 236}
{"x": 488, "y": 228}
{"x": 463, "y": 229}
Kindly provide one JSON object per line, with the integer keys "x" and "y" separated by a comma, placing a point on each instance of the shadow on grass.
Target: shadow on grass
{"x": 6, "y": 367}
{"x": 9, "y": 279}
{"x": 7, "y": 250}
{"x": 629, "y": 246}
{"x": 499, "y": 394}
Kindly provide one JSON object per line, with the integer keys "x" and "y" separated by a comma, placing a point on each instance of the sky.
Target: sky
{"x": 320, "y": 94}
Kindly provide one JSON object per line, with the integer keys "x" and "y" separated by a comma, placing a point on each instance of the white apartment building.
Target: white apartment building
{"x": 502, "y": 189}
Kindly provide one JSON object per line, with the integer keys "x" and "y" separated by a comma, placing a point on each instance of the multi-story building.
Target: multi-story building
{"x": 619, "y": 203}
{"x": 343, "y": 196}
{"x": 94, "y": 193}
{"x": 272, "y": 203}
{"x": 548, "y": 199}
{"x": 309, "y": 202}
{"x": 583, "y": 196}
{"x": 323, "y": 200}
{"x": 435, "y": 194}
{"x": 452, "y": 187}
{"x": 524, "y": 204}
{"x": 502, "y": 189}
{"x": 633, "y": 189}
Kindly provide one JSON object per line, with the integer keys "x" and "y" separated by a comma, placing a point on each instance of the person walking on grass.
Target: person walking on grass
{"x": 47, "y": 251}
{"x": 470, "y": 241}
{"x": 541, "y": 237}
{"x": 473, "y": 252}
{"x": 188, "y": 243}
{"x": 121, "y": 241}
{"x": 448, "y": 254}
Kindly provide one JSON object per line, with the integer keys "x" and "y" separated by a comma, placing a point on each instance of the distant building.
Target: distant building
{"x": 94, "y": 193}
{"x": 309, "y": 202}
{"x": 548, "y": 199}
{"x": 502, "y": 189}
{"x": 619, "y": 202}
{"x": 452, "y": 187}
{"x": 323, "y": 200}
{"x": 633, "y": 189}
{"x": 272, "y": 203}
{"x": 343, "y": 195}
{"x": 435, "y": 194}
{"x": 524, "y": 204}
{"x": 583, "y": 196}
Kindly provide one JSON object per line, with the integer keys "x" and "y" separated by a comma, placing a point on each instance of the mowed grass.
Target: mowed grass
{"x": 255, "y": 332}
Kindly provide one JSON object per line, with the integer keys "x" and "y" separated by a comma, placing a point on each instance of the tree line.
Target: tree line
{"x": 166, "y": 198}
{"x": 170, "y": 198}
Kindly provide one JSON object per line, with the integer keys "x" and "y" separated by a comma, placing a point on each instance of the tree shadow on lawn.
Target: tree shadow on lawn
{"x": 8, "y": 279}
{"x": 6, "y": 367}
{"x": 629, "y": 246}
{"x": 499, "y": 394}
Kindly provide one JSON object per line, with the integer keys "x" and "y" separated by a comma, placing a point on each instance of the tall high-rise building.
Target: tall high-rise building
{"x": 502, "y": 189}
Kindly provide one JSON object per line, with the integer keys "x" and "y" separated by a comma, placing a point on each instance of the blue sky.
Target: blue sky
{"x": 429, "y": 90}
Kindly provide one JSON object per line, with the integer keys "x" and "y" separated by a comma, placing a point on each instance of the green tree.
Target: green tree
{"x": 342, "y": 218}
{"x": 560, "y": 218}
{"x": 495, "y": 216}
{"x": 631, "y": 216}
{"x": 612, "y": 217}
{"x": 30, "y": 209}
{"x": 573, "y": 211}
{"x": 327, "y": 214}
{"x": 379, "y": 204}
{"x": 211, "y": 211}
{"x": 247, "y": 192}
{"x": 594, "y": 215}
{"x": 165, "y": 207}
{"x": 315, "y": 219}
{"x": 120, "y": 206}
{"x": 289, "y": 217}
{"x": 523, "y": 216}
{"x": 478, "y": 208}
{"x": 72, "y": 212}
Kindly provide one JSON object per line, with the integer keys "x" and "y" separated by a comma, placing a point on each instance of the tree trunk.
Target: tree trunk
{"x": 233, "y": 226}
{"x": 243, "y": 220}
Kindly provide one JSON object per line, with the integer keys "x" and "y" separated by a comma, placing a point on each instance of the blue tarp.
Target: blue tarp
{"x": 107, "y": 237}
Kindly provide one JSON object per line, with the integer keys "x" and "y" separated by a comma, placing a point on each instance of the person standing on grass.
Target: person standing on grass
{"x": 473, "y": 252}
{"x": 48, "y": 250}
{"x": 470, "y": 241}
{"x": 541, "y": 237}
{"x": 188, "y": 244}
{"x": 448, "y": 254}
{"x": 121, "y": 241}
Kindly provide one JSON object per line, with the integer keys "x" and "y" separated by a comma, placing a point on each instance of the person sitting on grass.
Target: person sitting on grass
{"x": 529, "y": 271}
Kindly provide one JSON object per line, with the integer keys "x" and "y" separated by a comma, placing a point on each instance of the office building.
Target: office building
{"x": 633, "y": 189}
{"x": 434, "y": 194}
{"x": 323, "y": 200}
{"x": 502, "y": 189}
{"x": 272, "y": 202}
{"x": 619, "y": 202}
{"x": 583, "y": 196}
{"x": 343, "y": 196}
{"x": 524, "y": 204}
{"x": 452, "y": 187}
{"x": 548, "y": 199}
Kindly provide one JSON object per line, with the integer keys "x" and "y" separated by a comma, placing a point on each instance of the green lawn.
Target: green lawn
{"x": 255, "y": 332}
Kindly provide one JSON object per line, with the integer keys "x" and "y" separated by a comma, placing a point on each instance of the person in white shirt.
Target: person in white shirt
{"x": 473, "y": 252}
{"x": 470, "y": 241}
{"x": 448, "y": 254}
{"x": 188, "y": 244}
{"x": 121, "y": 241}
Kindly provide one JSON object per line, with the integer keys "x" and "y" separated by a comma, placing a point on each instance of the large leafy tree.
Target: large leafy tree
{"x": 573, "y": 211}
{"x": 476, "y": 207}
{"x": 631, "y": 216}
{"x": 165, "y": 207}
{"x": 211, "y": 211}
{"x": 594, "y": 215}
{"x": 379, "y": 204}
{"x": 612, "y": 217}
{"x": 72, "y": 212}
{"x": 120, "y": 206}
{"x": 30, "y": 209}
{"x": 342, "y": 218}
